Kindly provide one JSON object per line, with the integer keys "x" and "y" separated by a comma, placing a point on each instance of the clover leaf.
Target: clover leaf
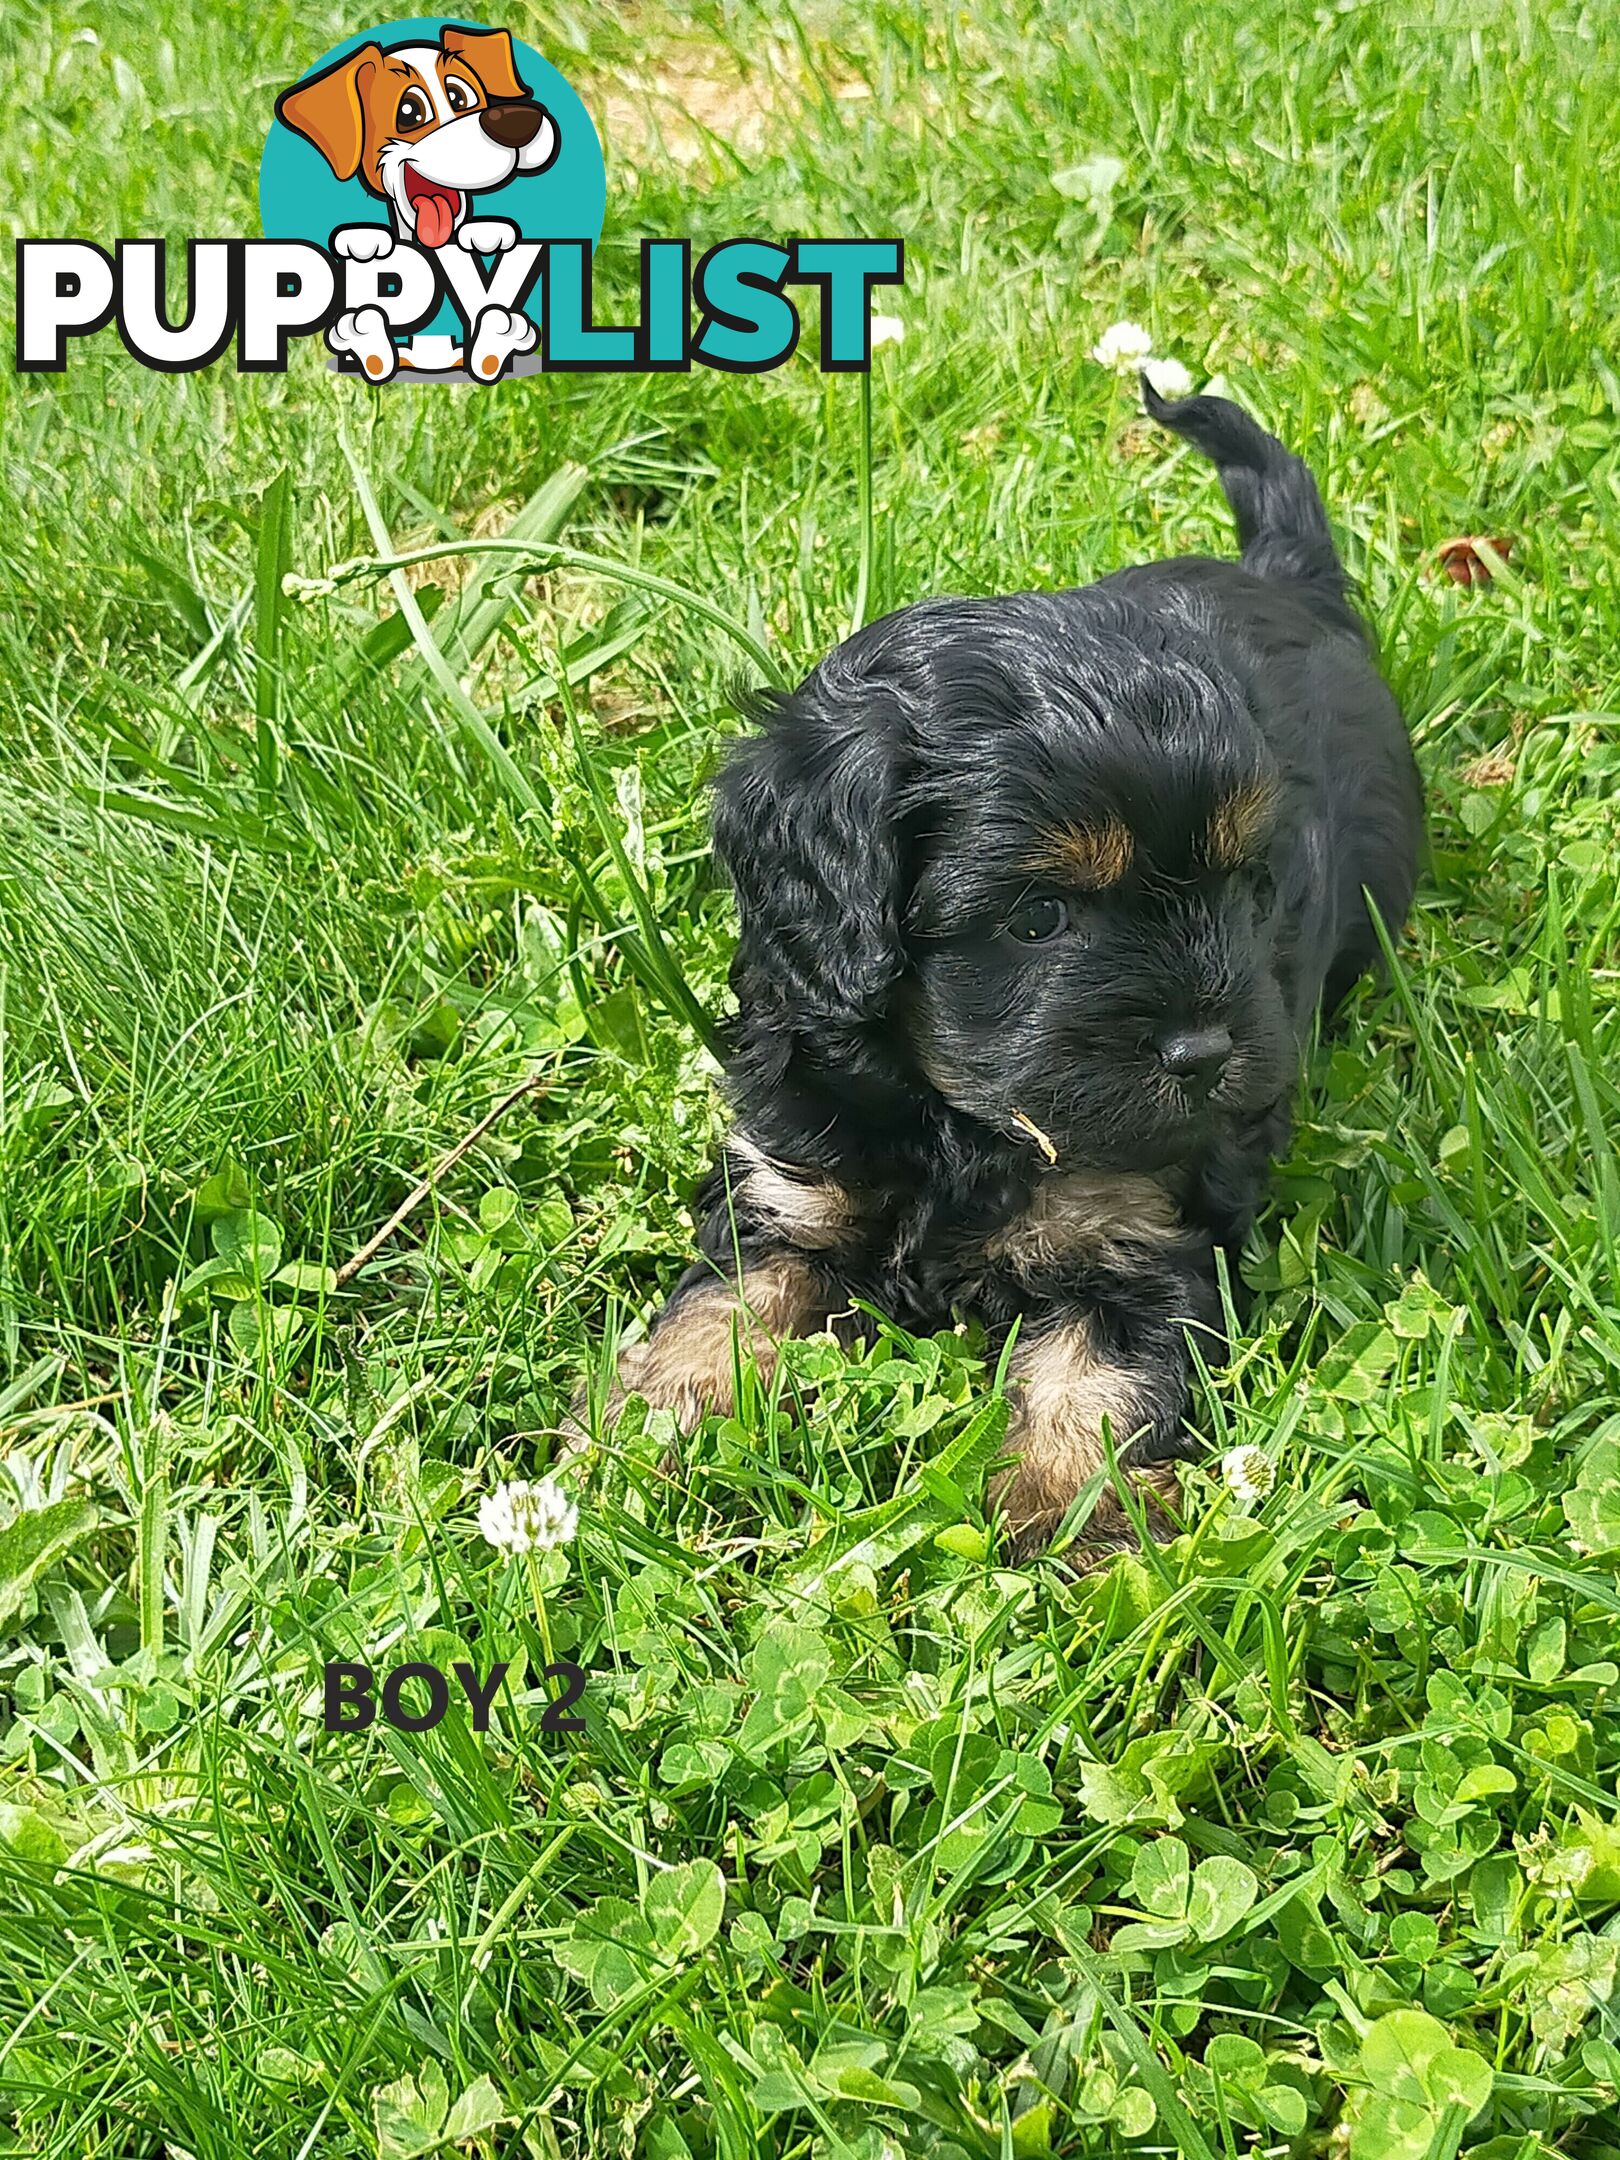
{"x": 1416, "y": 2076}
{"x": 1201, "y": 1904}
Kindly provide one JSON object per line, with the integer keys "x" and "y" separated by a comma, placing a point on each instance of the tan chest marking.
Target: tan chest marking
{"x": 809, "y": 1211}
{"x": 1085, "y": 1214}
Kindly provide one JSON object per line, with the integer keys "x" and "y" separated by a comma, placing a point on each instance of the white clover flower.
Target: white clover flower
{"x": 1122, "y": 345}
{"x": 1168, "y": 377}
{"x": 517, "y": 1517}
{"x": 1248, "y": 1474}
{"x": 887, "y": 330}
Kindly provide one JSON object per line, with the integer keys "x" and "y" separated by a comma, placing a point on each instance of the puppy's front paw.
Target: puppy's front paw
{"x": 689, "y": 1359}
{"x": 1032, "y": 1506}
{"x": 487, "y": 236}
{"x": 363, "y": 334}
{"x": 363, "y": 243}
{"x": 668, "y": 1377}
{"x": 1065, "y": 1391}
{"x": 500, "y": 335}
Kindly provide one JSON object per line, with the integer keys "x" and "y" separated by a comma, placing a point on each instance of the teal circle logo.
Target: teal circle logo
{"x": 429, "y": 156}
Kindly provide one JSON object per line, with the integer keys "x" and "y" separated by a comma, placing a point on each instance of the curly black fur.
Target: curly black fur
{"x": 1197, "y": 768}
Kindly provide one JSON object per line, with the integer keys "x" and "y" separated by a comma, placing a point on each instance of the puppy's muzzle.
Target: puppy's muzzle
{"x": 1195, "y": 1056}
{"x": 513, "y": 124}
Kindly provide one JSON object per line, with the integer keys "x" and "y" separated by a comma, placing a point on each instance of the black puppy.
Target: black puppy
{"x": 1038, "y": 897}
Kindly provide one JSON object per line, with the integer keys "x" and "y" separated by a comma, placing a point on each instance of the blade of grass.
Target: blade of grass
{"x": 519, "y": 789}
{"x": 479, "y": 608}
{"x": 390, "y": 564}
{"x": 269, "y": 605}
{"x": 1190, "y": 2141}
{"x": 647, "y": 951}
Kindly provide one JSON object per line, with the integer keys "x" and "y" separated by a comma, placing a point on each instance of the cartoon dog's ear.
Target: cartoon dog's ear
{"x": 328, "y": 111}
{"x": 490, "y": 56}
{"x": 806, "y": 824}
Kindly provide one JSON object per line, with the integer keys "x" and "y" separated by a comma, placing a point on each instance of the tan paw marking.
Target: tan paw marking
{"x": 1063, "y": 1388}
{"x": 687, "y": 1362}
{"x": 1088, "y": 1214}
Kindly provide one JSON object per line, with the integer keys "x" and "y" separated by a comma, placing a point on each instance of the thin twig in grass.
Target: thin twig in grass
{"x": 1043, "y": 1141}
{"x": 447, "y": 1162}
{"x": 67, "y": 1409}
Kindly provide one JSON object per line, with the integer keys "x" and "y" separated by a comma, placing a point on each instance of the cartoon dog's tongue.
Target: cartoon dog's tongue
{"x": 435, "y": 208}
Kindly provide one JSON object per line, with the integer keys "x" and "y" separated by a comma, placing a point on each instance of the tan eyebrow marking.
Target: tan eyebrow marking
{"x": 1091, "y": 856}
{"x": 1241, "y": 823}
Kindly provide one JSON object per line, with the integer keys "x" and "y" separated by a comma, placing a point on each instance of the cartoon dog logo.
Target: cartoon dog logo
{"x": 426, "y": 128}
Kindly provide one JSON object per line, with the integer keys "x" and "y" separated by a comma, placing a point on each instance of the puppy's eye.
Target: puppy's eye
{"x": 1037, "y": 921}
{"x": 458, "y": 96}
{"x": 413, "y": 111}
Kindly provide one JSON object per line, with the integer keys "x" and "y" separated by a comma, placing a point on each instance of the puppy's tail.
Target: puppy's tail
{"x": 1281, "y": 523}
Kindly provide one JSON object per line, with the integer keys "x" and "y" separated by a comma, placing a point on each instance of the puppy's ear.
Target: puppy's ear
{"x": 490, "y": 56}
{"x": 328, "y": 109}
{"x": 806, "y": 823}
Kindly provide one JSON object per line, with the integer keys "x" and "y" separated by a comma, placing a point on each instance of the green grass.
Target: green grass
{"x": 286, "y": 907}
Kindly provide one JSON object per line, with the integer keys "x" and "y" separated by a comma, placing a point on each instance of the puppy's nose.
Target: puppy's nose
{"x": 1196, "y": 1056}
{"x": 513, "y": 124}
